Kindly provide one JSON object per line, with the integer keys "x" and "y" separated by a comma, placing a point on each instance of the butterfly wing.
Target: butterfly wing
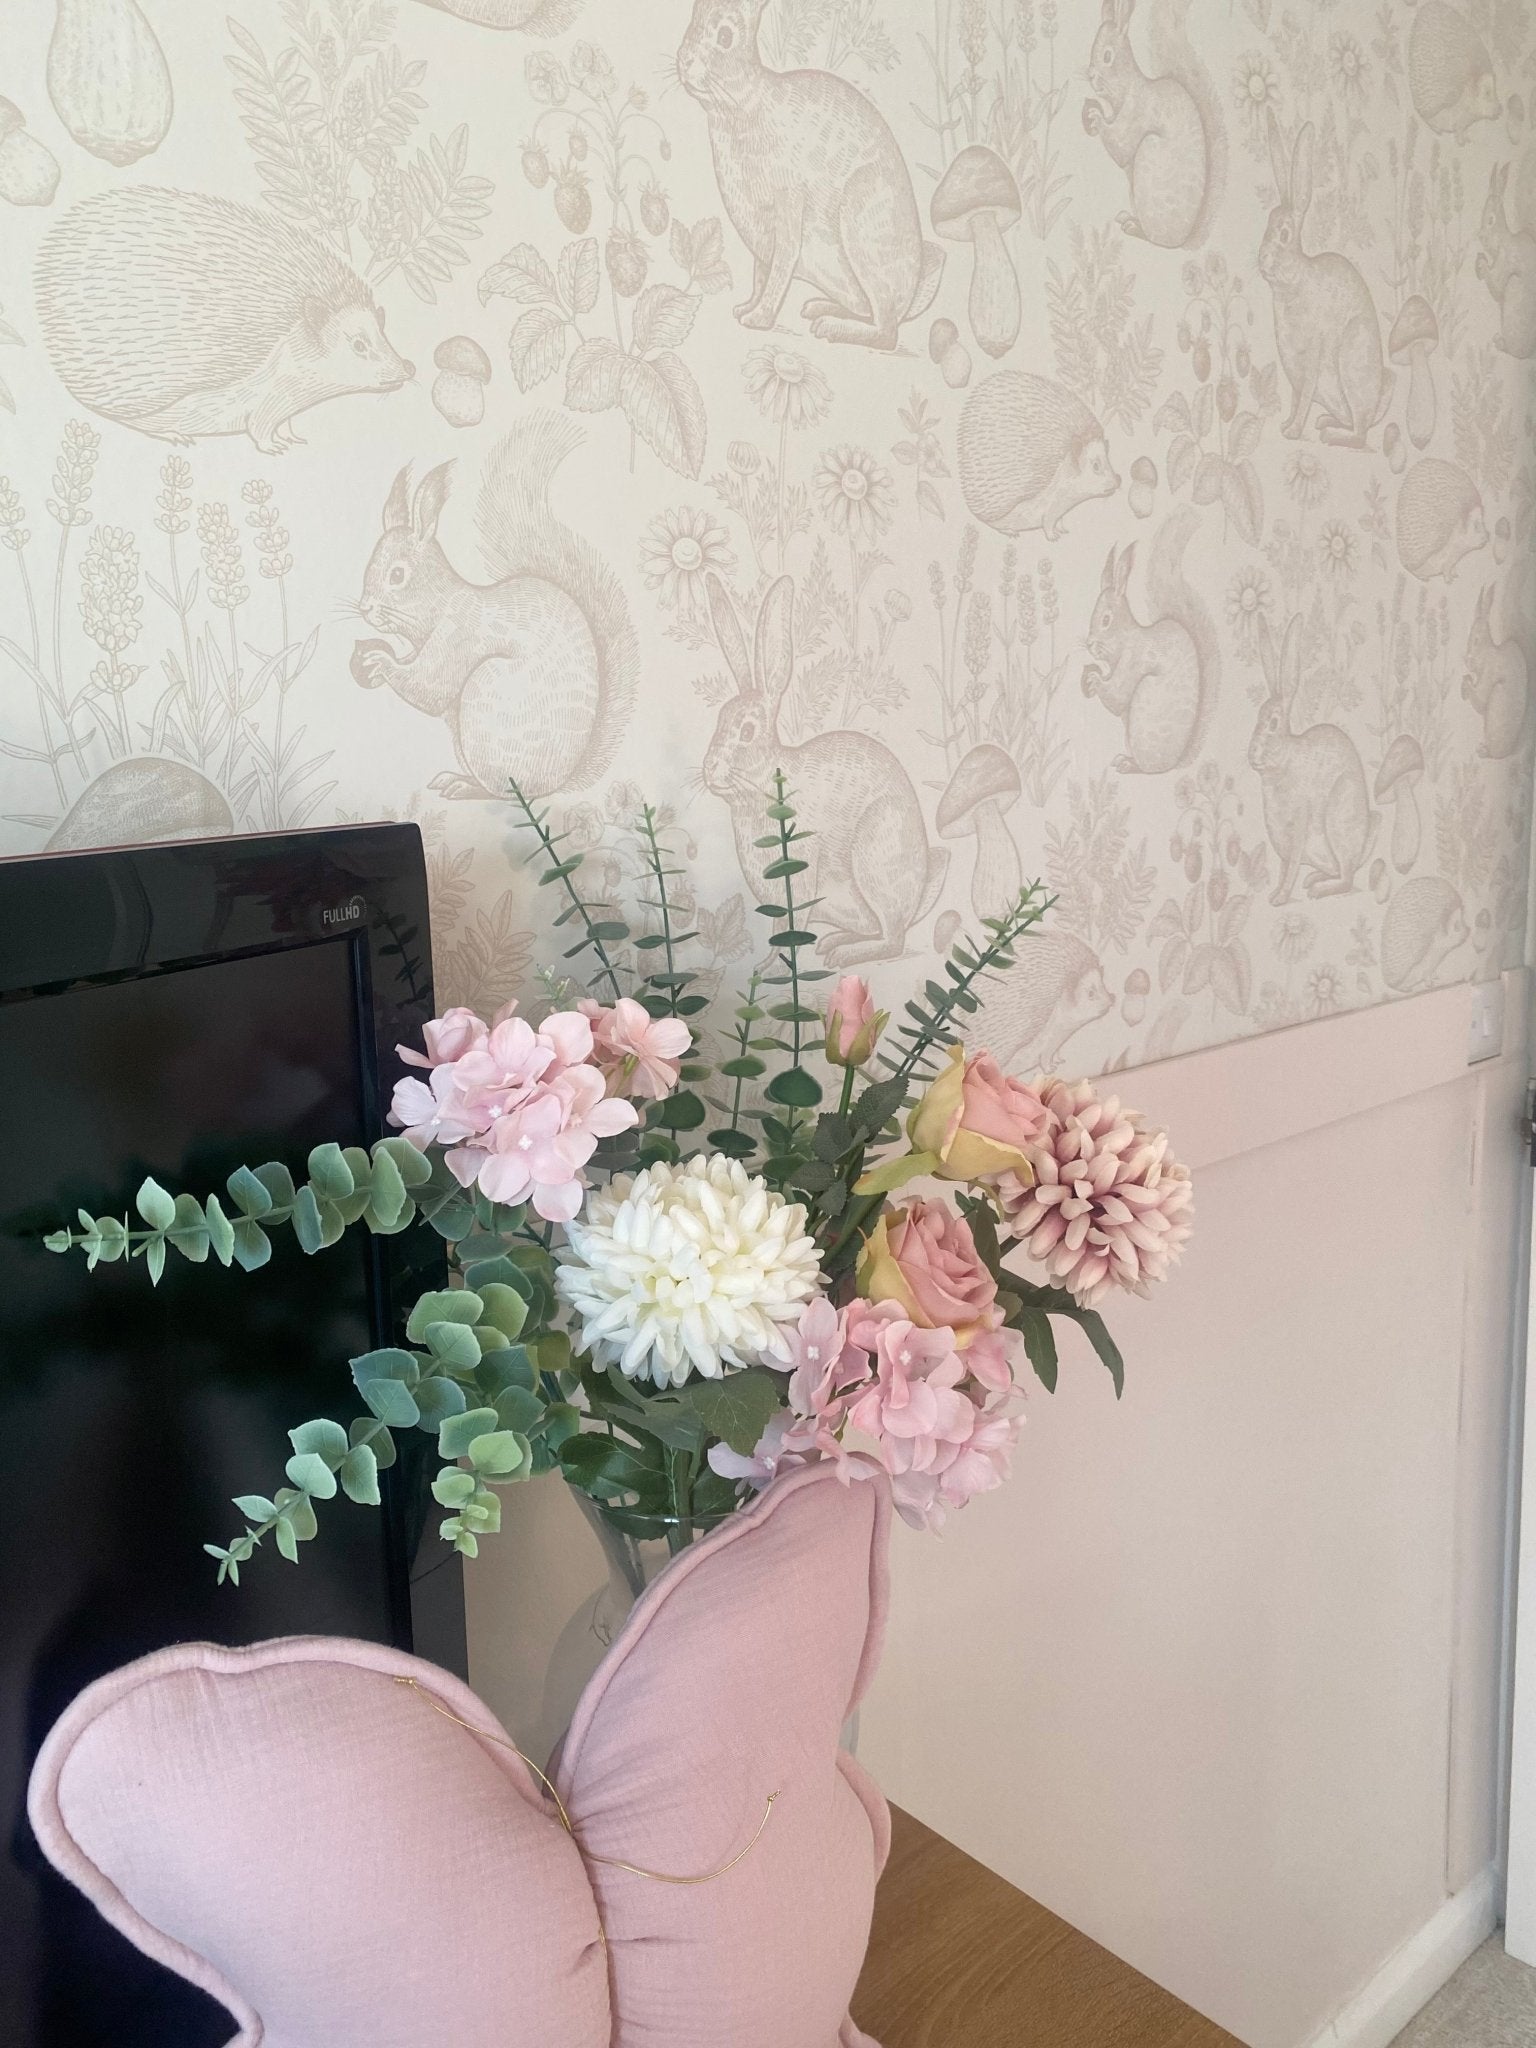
{"x": 731, "y": 1681}
{"x": 323, "y": 1850}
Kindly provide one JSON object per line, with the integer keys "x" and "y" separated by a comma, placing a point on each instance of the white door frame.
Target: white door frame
{"x": 1520, "y": 1895}
{"x": 1520, "y": 1629}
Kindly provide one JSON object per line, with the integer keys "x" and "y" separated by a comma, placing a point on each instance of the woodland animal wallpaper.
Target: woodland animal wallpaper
{"x": 1076, "y": 441}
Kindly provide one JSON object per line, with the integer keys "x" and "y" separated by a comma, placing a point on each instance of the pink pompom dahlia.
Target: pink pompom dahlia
{"x": 1109, "y": 1207}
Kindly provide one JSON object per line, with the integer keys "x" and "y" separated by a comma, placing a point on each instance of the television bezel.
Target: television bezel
{"x": 116, "y": 914}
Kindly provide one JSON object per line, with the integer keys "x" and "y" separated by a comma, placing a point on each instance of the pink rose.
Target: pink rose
{"x": 924, "y": 1258}
{"x": 977, "y": 1121}
{"x": 853, "y": 1023}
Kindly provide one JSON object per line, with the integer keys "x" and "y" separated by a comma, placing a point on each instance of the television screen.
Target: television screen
{"x": 129, "y": 1414}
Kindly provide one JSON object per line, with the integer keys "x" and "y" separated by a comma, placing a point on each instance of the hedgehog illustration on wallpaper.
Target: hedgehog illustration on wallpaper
{"x": 185, "y": 315}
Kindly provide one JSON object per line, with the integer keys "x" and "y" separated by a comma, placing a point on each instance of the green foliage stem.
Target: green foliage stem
{"x": 931, "y": 1019}
{"x": 600, "y": 931}
{"x": 384, "y": 1189}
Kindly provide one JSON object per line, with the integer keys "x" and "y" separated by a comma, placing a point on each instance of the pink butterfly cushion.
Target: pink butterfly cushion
{"x": 343, "y": 1866}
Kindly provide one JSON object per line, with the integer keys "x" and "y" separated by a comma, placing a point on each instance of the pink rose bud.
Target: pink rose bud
{"x": 924, "y": 1257}
{"x": 977, "y": 1121}
{"x": 853, "y": 1023}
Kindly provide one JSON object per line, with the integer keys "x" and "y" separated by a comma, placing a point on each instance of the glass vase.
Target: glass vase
{"x": 633, "y": 1563}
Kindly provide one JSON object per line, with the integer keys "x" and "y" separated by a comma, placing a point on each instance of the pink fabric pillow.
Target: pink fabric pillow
{"x": 344, "y": 1867}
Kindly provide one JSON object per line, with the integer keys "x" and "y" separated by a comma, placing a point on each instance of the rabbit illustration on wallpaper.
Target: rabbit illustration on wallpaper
{"x": 814, "y": 182}
{"x": 1326, "y": 325}
{"x": 871, "y": 863}
{"x": 1159, "y": 675}
{"x": 1506, "y": 263}
{"x": 533, "y": 674}
{"x": 1497, "y": 681}
{"x": 1317, "y": 806}
{"x": 1163, "y": 128}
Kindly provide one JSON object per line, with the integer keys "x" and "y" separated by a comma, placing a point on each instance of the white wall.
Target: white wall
{"x": 1216, "y": 1676}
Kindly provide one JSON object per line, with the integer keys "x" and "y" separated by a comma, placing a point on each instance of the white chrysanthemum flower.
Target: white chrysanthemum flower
{"x": 691, "y": 1268}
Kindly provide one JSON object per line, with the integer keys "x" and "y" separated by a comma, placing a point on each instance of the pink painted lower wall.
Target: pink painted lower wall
{"x": 1217, "y": 1675}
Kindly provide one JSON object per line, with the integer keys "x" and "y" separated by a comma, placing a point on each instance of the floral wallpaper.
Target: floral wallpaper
{"x": 1093, "y": 444}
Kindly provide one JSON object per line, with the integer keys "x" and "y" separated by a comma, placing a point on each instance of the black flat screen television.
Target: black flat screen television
{"x": 178, "y": 1011}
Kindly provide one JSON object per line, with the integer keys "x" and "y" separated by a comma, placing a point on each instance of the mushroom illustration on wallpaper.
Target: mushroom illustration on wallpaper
{"x": 1164, "y": 129}
{"x": 1506, "y": 263}
{"x": 871, "y": 863}
{"x": 977, "y": 201}
{"x": 144, "y": 798}
{"x": 1450, "y": 73}
{"x": 108, "y": 79}
{"x": 534, "y": 673}
{"x": 814, "y": 183}
{"x": 29, "y": 170}
{"x": 533, "y": 17}
{"x": 1414, "y": 338}
{"x": 1397, "y": 783}
{"x": 1326, "y": 325}
{"x": 983, "y": 789}
{"x": 1028, "y": 451}
{"x": 184, "y": 315}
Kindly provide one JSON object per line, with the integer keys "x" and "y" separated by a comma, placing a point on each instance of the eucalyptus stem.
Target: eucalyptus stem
{"x": 561, "y": 871}
{"x": 966, "y": 964}
{"x": 743, "y": 1043}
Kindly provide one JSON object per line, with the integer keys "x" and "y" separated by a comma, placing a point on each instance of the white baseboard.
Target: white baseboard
{"x": 1409, "y": 1979}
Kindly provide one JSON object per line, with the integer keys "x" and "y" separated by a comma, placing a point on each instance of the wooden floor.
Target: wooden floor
{"x": 959, "y": 1959}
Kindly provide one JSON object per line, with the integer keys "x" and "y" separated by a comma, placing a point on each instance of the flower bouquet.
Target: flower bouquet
{"x": 672, "y": 1276}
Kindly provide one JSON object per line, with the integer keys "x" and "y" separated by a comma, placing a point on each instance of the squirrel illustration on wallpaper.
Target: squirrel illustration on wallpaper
{"x": 1164, "y": 128}
{"x": 1159, "y": 675}
{"x": 533, "y": 674}
{"x": 814, "y": 182}
{"x": 1496, "y": 678}
{"x": 184, "y": 315}
{"x": 1506, "y": 263}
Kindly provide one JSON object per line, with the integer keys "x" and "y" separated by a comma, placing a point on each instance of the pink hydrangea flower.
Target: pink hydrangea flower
{"x": 914, "y": 1407}
{"x": 520, "y": 1110}
{"x": 525, "y": 1161}
{"x": 434, "y": 1112}
{"x": 637, "y": 1052}
{"x": 503, "y": 1073}
{"x": 826, "y": 1367}
{"x": 590, "y": 1112}
{"x": 938, "y": 1421}
{"x": 447, "y": 1038}
{"x": 773, "y": 1455}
